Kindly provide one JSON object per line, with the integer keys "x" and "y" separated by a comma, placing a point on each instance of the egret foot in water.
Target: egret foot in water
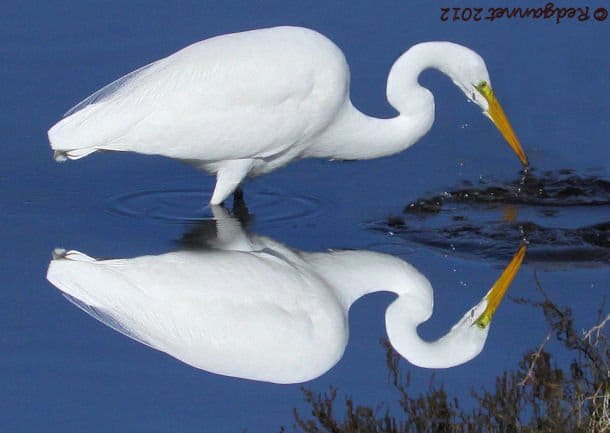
{"x": 240, "y": 209}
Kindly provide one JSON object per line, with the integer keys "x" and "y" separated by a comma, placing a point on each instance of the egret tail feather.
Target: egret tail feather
{"x": 64, "y": 155}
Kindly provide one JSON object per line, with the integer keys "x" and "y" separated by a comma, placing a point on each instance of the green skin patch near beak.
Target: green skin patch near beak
{"x": 484, "y": 319}
{"x": 485, "y": 90}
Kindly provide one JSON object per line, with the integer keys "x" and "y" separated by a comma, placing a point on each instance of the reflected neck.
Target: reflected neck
{"x": 463, "y": 342}
{"x": 353, "y": 274}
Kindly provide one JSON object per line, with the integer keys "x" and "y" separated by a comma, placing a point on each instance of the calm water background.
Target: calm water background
{"x": 62, "y": 371}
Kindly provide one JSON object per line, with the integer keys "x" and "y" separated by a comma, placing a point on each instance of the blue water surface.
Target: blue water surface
{"x": 62, "y": 371}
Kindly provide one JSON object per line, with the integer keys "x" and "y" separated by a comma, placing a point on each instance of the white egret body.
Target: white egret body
{"x": 244, "y": 104}
{"x": 252, "y": 308}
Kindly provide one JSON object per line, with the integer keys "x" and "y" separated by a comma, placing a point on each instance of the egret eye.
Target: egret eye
{"x": 484, "y": 88}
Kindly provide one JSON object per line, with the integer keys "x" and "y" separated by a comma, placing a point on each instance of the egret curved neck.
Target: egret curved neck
{"x": 355, "y": 135}
{"x": 404, "y": 91}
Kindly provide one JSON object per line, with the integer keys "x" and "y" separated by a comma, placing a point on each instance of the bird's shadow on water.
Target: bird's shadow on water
{"x": 563, "y": 215}
{"x": 204, "y": 233}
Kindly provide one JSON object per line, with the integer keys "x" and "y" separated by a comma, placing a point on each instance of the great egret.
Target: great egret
{"x": 252, "y": 308}
{"x": 244, "y": 104}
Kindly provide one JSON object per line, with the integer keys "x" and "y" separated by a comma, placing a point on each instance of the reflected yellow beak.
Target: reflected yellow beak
{"x": 497, "y": 116}
{"x": 497, "y": 292}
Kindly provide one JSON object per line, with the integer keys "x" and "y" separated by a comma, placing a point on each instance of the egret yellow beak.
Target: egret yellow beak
{"x": 497, "y": 116}
{"x": 497, "y": 292}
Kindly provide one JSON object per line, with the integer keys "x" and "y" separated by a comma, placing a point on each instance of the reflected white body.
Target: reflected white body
{"x": 252, "y": 308}
{"x": 244, "y": 104}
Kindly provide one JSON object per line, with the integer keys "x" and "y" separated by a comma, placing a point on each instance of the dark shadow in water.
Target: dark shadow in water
{"x": 565, "y": 217}
{"x": 560, "y": 189}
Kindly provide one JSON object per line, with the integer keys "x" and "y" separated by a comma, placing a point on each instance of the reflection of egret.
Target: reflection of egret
{"x": 250, "y": 307}
{"x": 245, "y": 104}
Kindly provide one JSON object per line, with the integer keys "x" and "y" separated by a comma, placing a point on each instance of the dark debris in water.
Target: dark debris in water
{"x": 490, "y": 219}
{"x": 551, "y": 189}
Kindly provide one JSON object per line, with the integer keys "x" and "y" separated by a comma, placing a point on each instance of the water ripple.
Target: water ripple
{"x": 189, "y": 205}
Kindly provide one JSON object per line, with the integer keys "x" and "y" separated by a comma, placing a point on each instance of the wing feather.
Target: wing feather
{"x": 111, "y": 320}
{"x": 248, "y": 95}
{"x": 109, "y": 90}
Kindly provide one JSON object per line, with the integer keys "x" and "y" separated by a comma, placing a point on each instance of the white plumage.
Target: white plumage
{"x": 244, "y": 104}
{"x": 253, "y": 308}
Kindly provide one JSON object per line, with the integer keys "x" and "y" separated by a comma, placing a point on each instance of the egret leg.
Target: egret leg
{"x": 238, "y": 195}
{"x": 223, "y": 229}
{"x": 228, "y": 178}
{"x": 240, "y": 209}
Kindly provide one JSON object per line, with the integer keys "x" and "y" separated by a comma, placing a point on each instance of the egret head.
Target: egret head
{"x": 471, "y": 76}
